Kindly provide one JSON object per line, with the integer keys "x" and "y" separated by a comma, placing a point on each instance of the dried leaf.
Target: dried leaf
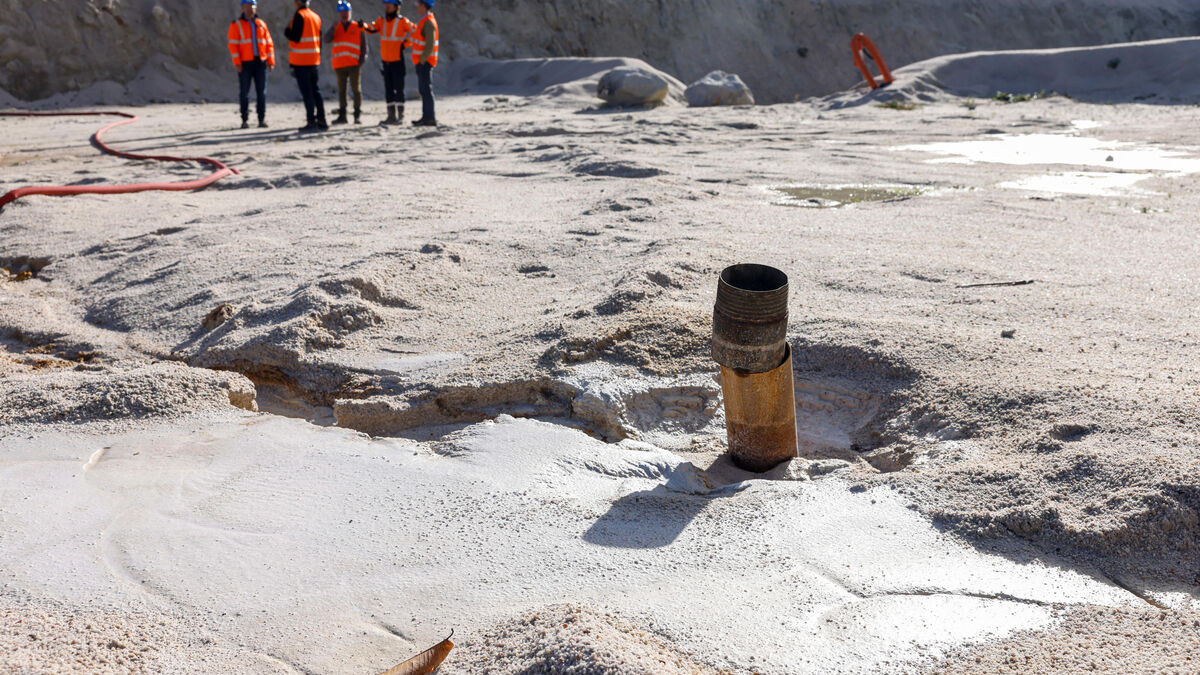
{"x": 426, "y": 662}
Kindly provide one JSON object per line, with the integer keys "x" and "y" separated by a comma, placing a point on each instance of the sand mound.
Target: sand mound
{"x": 53, "y": 390}
{"x": 1159, "y": 71}
{"x": 1084, "y": 642}
{"x": 569, "y": 640}
{"x": 43, "y": 637}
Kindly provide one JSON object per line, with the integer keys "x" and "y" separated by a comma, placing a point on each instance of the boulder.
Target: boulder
{"x": 719, "y": 88}
{"x": 632, "y": 86}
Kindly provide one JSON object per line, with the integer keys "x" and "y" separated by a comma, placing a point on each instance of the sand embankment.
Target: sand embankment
{"x": 1156, "y": 71}
{"x": 140, "y": 51}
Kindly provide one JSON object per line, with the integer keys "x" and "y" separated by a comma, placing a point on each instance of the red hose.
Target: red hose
{"x": 219, "y": 169}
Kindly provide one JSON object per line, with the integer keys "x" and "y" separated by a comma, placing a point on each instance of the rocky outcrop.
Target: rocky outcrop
{"x": 632, "y": 87}
{"x": 718, "y": 88}
{"x": 578, "y": 78}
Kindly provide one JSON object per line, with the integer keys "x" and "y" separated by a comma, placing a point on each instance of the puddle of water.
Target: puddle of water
{"x": 833, "y": 196}
{"x": 1091, "y": 183}
{"x": 1029, "y": 149}
{"x": 1126, "y": 164}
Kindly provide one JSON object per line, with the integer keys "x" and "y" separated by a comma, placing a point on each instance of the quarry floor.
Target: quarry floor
{"x": 389, "y": 382}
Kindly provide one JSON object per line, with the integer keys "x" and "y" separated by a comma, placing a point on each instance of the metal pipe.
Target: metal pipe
{"x": 750, "y": 344}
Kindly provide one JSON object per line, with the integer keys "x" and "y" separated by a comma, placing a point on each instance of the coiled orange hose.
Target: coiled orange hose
{"x": 219, "y": 169}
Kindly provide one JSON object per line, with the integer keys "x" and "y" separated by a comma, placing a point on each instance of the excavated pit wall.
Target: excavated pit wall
{"x": 783, "y": 49}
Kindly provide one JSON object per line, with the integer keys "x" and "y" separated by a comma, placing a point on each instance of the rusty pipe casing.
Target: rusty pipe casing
{"x": 750, "y": 344}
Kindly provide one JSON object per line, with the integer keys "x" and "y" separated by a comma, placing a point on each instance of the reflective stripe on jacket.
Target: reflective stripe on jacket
{"x": 419, "y": 43}
{"x": 393, "y": 37}
{"x": 307, "y": 51}
{"x": 347, "y": 45}
{"x": 241, "y": 41}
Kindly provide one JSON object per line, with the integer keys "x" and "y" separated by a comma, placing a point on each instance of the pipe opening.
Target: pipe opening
{"x": 754, "y": 278}
{"x": 752, "y": 294}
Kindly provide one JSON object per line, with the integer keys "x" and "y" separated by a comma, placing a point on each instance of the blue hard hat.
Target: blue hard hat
{"x": 429, "y": 3}
{"x": 344, "y": 6}
{"x": 392, "y": 2}
{"x": 250, "y": 2}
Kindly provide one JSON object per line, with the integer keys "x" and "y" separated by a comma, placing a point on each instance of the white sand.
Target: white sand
{"x": 365, "y": 550}
{"x": 538, "y": 258}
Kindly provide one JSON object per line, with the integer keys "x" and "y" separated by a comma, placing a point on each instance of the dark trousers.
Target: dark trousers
{"x": 307, "y": 80}
{"x": 393, "y": 81}
{"x": 425, "y": 86}
{"x": 253, "y": 71}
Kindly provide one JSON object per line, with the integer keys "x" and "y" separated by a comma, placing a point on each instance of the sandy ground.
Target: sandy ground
{"x": 536, "y": 258}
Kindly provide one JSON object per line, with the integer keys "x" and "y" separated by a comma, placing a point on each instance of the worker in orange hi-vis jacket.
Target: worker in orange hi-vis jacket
{"x": 349, "y": 40}
{"x": 394, "y": 34}
{"x": 253, "y": 54}
{"x": 304, "y": 56}
{"x": 425, "y": 58}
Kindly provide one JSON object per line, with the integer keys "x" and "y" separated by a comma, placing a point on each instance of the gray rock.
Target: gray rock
{"x": 632, "y": 86}
{"x": 822, "y": 467}
{"x": 719, "y": 88}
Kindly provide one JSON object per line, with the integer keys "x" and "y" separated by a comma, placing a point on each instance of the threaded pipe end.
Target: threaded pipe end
{"x": 753, "y": 294}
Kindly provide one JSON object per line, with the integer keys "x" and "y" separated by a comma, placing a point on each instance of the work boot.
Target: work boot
{"x": 341, "y": 118}
{"x": 308, "y": 128}
{"x": 262, "y": 123}
{"x": 400, "y": 113}
{"x": 245, "y": 123}
{"x": 322, "y": 126}
{"x": 391, "y": 118}
{"x": 425, "y": 123}
{"x": 358, "y": 117}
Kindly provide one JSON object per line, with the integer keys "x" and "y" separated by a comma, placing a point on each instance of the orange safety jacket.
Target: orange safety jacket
{"x": 418, "y": 41}
{"x": 241, "y": 41}
{"x": 307, "y": 52}
{"x": 393, "y": 37}
{"x": 347, "y": 45}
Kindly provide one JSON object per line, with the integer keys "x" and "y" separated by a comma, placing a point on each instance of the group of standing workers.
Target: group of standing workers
{"x": 253, "y": 53}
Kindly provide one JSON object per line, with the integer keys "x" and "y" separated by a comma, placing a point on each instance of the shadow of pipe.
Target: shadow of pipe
{"x": 655, "y": 518}
{"x": 647, "y": 519}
